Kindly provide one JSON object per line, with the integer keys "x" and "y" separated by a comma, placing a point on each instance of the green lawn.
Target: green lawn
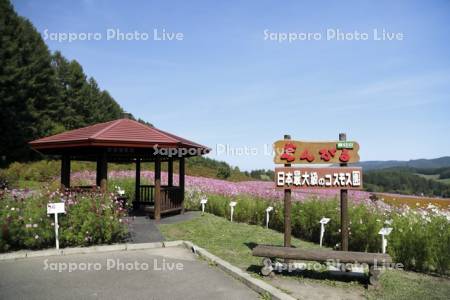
{"x": 428, "y": 176}
{"x": 434, "y": 177}
{"x": 446, "y": 180}
{"x": 233, "y": 242}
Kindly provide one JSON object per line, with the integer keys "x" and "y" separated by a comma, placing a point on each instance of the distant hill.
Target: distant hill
{"x": 429, "y": 177}
{"x": 403, "y": 181}
{"x": 434, "y": 163}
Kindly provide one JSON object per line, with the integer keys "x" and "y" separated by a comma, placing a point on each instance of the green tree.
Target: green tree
{"x": 223, "y": 172}
{"x": 72, "y": 83}
{"x": 41, "y": 94}
{"x": 28, "y": 90}
{"x": 84, "y": 102}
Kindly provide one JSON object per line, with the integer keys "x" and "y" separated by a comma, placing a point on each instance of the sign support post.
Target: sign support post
{"x": 384, "y": 232}
{"x": 322, "y": 222}
{"x": 203, "y": 202}
{"x": 56, "y": 208}
{"x": 268, "y": 210}
{"x": 287, "y": 209}
{"x": 344, "y": 208}
{"x": 56, "y": 231}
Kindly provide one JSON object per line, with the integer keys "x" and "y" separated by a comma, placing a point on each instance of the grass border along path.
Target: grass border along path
{"x": 233, "y": 241}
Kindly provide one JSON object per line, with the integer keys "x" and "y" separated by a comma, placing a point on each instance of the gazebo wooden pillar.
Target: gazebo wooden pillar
{"x": 102, "y": 171}
{"x": 137, "y": 186}
{"x": 98, "y": 171}
{"x": 157, "y": 189}
{"x": 181, "y": 182}
{"x": 65, "y": 172}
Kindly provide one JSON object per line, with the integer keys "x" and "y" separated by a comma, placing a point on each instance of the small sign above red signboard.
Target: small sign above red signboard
{"x": 348, "y": 178}
{"x": 299, "y": 152}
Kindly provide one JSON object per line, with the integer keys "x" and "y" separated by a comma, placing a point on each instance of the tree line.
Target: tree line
{"x": 41, "y": 93}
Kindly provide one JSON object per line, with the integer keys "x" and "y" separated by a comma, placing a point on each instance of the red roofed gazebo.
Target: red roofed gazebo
{"x": 126, "y": 140}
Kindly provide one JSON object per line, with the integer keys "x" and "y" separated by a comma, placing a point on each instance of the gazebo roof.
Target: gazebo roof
{"x": 121, "y": 133}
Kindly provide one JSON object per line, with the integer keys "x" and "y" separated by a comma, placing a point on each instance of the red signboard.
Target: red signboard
{"x": 299, "y": 152}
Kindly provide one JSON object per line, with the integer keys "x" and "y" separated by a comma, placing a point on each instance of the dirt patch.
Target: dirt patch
{"x": 309, "y": 289}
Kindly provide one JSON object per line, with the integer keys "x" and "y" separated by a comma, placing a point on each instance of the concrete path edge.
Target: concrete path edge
{"x": 255, "y": 284}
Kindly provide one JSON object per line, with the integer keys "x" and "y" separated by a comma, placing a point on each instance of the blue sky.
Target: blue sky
{"x": 224, "y": 83}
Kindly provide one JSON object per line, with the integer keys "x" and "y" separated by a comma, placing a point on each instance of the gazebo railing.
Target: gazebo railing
{"x": 171, "y": 198}
{"x": 147, "y": 194}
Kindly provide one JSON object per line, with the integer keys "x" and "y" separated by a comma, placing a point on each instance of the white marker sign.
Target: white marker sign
{"x": 232, "y": 205}
{"x": 385, "y": 231}
{"x": 268, "y": 210}
{"x": 56, "y": 208}
{"x": 323, "y": 221}
{"x": 203, "y": 202}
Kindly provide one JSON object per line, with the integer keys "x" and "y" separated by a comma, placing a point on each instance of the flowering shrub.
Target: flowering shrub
{"x": 93, "y": 218}
{"x": 420, "y": 239}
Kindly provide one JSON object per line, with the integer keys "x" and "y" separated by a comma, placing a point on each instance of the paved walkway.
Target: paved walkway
{"x": 163, "y": 273}
{"x": 144, "y": 230}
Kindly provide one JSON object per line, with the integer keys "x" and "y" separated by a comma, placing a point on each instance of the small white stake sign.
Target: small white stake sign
{"x": 203, "y": 202}
{"x": 323, "y": 221}
{"x": 232, "y": 205}
{"x": 385, "y": 231}
{"x": 268, "y": 210}
{"x": 56, "y": 208}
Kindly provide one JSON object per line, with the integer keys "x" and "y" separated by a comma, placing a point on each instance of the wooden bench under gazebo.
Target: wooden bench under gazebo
{"x": 122, "y": 141}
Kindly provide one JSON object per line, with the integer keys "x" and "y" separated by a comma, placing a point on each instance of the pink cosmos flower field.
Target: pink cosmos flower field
{"x": 258, "y": 189}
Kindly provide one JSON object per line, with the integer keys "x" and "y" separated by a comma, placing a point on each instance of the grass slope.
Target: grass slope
{"x": 231, "y": 241}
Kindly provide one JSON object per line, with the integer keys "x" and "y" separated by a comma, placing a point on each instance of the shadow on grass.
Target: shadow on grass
{"x": 252, "y": 245}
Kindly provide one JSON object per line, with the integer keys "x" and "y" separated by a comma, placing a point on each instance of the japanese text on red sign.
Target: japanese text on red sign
{"x": 344, "y": 178}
